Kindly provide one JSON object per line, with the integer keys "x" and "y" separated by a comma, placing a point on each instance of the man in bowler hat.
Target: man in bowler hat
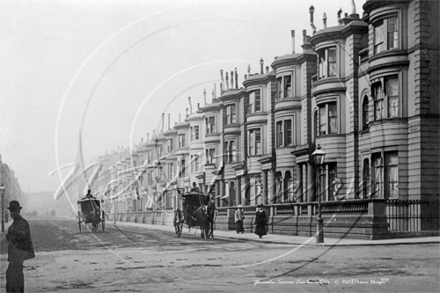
{"x": 20, "y": 248}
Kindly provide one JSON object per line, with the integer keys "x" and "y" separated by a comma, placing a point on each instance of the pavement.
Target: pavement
{"x": 292, "y": 240}
{"x": 279, "y": 239}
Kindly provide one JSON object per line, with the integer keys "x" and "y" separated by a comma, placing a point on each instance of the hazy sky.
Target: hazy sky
{"x": 120, "y": 64}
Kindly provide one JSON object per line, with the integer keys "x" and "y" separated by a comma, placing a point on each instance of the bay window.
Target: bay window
{"x": 386, "y": 98}
{"x": 230, "y": 151}
{"x": 195, "y": 133}
{"x": 284, "y": 133}
{"x": 327, "y": 62}
{"x": 195, "y": 163}
{"x": 386, "y": 34}
{"x": 181, "y": 138}
{"x": 170, "y": 143}
{"x": 285, "y": 86}
{"x": 231, "y": 116}
{"x": 210, "y": 156}
{"x": 210, "y": 124}
{"x": 326, "y": 121}
{"x": 386, "y": 174}
{"x": 254, "y": 101}
{"x": 254, "y": 142}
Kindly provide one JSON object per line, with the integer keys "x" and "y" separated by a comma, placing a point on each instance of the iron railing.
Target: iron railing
{"x": 412, "y": 215}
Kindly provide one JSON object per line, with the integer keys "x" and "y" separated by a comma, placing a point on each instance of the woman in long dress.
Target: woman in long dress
{"x": 239, "y": 217}
{"x": 260, "y": 221}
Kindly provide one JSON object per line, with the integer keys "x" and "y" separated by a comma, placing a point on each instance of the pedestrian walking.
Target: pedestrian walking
{"x": 20, "y": 248}
{"x": 239, "y": 217}
{"x": 260, "y": 221}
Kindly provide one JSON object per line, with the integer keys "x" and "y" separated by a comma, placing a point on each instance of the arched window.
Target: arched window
{"x": 365, "y": 120}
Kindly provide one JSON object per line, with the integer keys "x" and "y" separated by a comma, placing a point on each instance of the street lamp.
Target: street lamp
{"x": 319, "y": 156}
{"x": 2, "y": 192}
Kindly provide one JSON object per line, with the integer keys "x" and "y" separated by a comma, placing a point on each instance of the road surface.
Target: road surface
{"x": 134, "y": 259}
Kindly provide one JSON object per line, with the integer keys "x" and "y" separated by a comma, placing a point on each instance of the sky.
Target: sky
{"x": 109, "y": 69}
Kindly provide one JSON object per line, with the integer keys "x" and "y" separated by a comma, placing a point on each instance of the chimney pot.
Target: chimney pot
{"x": 236, "y": 78}
{"x": 267, "y": 69}
{"x": 232, "y": 79}
{"x": 324, "y": 18}
{"x": 261, "y": 66}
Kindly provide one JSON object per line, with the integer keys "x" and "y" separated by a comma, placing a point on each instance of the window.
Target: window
{"x": 181, "y": 138}
{"x": 388, "y": 99}
{"x": 327, "y": 62}
{"x": 182, "y": 168}
{"x": 393, "y": 97}
{"x": 231, "y": 116}
{"x": 288, "y": 188}
{"x": 287, "y": 86}
{"x": 280, "y": 134}
{"x": 150, "y": 156}
{"x": 254, "y": 101}
{"x": 210, "y": 124}
{"x": 194, "y": 133}
{"x": 284, "y": 133}
{"x": 386, "y": 34}
{"x": 210, "y": 156}
{"x": 365, "y": 113}
{"x": 366, "y": 179}
{"x": 391, "y": 175}
{"x": 160, "y": 151}
{"x": 194, "y": 163}
{"x": 378, "y": 100}
{"x": 284, "y": 86}
{"x": 170, "y": 169}
{"x": 170, "y": 145}
{"x": 327, "y": 119}
{"x": 254, "y": 142}
{"x": 386, "y": 174}
{"x": 141, "y": 159}
{"x": 230, "y": 151}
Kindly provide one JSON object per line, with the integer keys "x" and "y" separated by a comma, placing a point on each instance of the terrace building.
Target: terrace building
{"x": 365, "y": 90}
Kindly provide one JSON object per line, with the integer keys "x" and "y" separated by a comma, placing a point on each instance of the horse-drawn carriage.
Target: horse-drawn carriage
{"x": 195, "y": 213}
{"x": 91, "y": 214}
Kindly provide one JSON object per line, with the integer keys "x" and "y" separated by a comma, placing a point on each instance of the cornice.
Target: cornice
{"x": 328, "y": 90}
{"x": 370, "y": 5}
{"x": 388, "y": 65}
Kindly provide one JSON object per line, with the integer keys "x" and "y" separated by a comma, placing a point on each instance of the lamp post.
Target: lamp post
{"x": 319, "y": 156}
{"x": 2, "y": 192}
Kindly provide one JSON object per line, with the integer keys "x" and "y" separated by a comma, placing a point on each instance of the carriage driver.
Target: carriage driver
{"x": 89, "y": 194}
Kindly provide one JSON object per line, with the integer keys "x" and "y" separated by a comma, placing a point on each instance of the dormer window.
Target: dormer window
{"x": 327, "y": 62}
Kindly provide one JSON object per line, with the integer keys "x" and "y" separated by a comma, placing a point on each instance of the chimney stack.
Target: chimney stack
{"x": 267, "y": 69}
{"x": 148, "y": 137}
{"x": 190, "y": 106}
{"x": 186, "y": 112}
{"x": 261, "y": 66}
{"x": 204, "y": 96}
{"x": 222, "y": 83}
{"x": 227, "y": 81}
{"x": 245, "y": 76}
{"x": 339, "y": 15}
{"x": 232, "y": 79}
{"x": 353, "y": 7}
{"x": 324, "y": 19}
{"x": 215, "y": 91}
{"x": 163, "y": 121}
{"x": 312, "y": 10}
{"x": 236, "y": 78}
{"x": 292, "y": 33}
{"x": 249, "y": 70}
{"x": 180, "y": 117}
{"x": 169, "y": 121}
